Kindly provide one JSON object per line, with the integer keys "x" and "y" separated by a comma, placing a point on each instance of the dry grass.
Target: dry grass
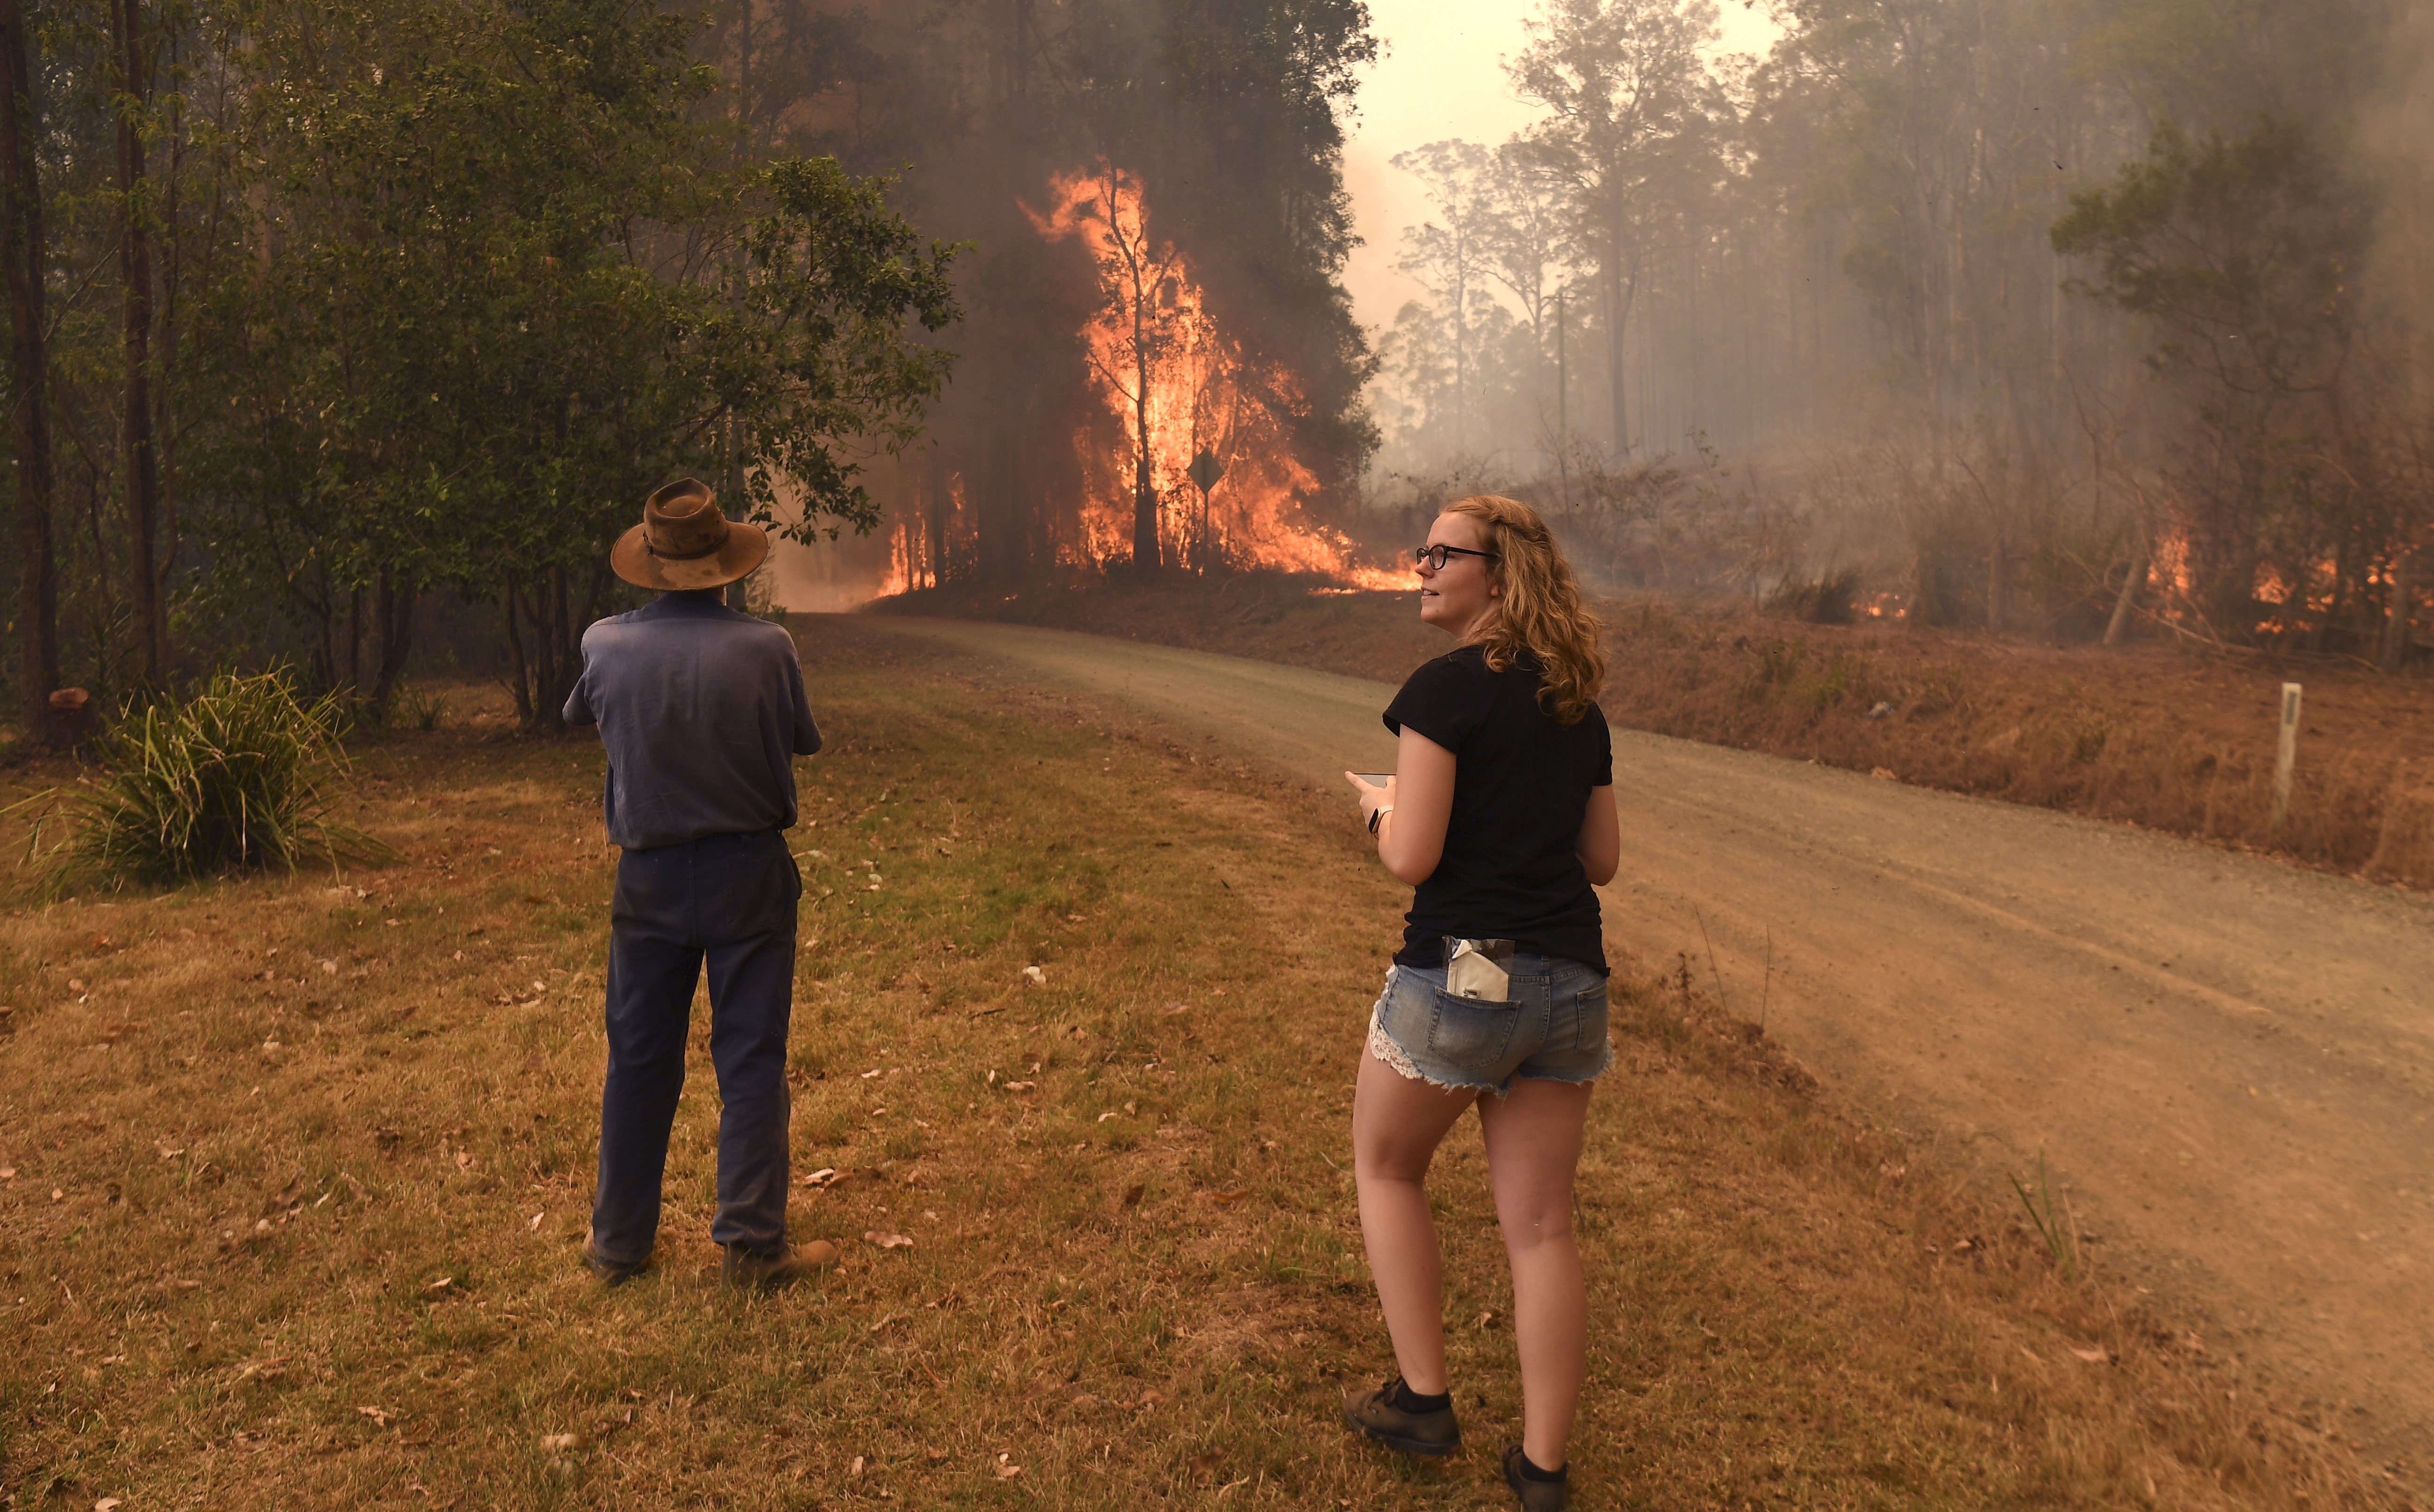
{"x": 299, "y": 1228}
{"x": 2153, "y": 735}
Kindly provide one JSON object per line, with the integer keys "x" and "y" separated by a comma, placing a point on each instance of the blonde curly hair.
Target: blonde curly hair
{"x": 1541, "y": 613}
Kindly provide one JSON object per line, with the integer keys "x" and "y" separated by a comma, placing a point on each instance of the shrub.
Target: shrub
{"x": 235, "y": 779}
{"x": 1830, "y": 599}
{"x": 419, "y": 709}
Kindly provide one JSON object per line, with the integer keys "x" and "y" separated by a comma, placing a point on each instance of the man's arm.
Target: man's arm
{"x": 578, "y": 702}
{"x": 807, "y": 733}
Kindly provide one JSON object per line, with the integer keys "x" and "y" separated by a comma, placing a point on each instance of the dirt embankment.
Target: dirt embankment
{"x": 2168, "y": 738}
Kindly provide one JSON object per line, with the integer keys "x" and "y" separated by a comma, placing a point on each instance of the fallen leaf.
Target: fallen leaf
{"x": 1133, "y": 1194}
{"x": 1020, "y": 1085}
{"x": 1883, "y": 774}
{"x": 1149, "y": 1400}
{"x": 825, "y": 1177}
{"x": 378, "y": 1416}
{"x": 441, "y": 1284}
{"x": 169, "y": 1151}
{"x": 2092, "y": 1356}
{"x": 536, "y": 1220}
{"x": 74, "y": 986}
{"x": 328, "y": 968}
{"x": 8, "y": 1173}
{"x": 464, "y": 1160}
{"x": 887, "y": 1241}
{"x": 855, "y": 1468}
{"x": 1039, "y": 977}
{"x": 1108, "y": 1114}
{"x": 108, "y": 1504}
{"x": 1007, "y": 1473}
{"x": 872, "y": 1072}
{"x": 558, "y": 1443}
{"x": 1173, "y": 1008}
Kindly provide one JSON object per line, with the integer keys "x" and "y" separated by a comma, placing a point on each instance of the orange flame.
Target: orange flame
{"x": 1177, "y": 384}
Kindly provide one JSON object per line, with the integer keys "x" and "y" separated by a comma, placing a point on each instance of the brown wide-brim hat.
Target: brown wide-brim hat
{"x": 684, "y": 542}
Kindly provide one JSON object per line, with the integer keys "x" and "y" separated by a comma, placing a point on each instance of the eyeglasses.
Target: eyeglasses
{"x": 1434, "y": 558}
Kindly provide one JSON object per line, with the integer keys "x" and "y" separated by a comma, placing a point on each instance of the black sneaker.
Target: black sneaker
{"x": 1537, "y": 1496}
{"x": 1375, "y": 1416}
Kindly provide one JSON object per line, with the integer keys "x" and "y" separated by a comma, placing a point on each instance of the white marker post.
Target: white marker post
{"x": 2287, "y": 754}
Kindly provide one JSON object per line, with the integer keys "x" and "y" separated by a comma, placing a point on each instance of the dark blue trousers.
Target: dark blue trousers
{"x": 729, "y": 900}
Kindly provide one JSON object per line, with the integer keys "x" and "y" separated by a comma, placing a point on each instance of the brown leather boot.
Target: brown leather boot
{"x": 768, "y": 1273}
{"x": 614, "y": 1272}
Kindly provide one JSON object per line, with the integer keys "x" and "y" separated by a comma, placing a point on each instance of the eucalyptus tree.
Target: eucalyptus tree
{"x": 1452, "y": 260}
{"x": 1634, "y": 117}
{"x": 22, "y": 243}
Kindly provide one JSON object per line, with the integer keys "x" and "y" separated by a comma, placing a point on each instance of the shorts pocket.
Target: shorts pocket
{"x": 1581, "y": 1024}
{"x": 1472, "y": 1035}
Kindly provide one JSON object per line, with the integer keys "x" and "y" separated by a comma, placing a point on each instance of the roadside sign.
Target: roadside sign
{"x": 1205, "y": 470}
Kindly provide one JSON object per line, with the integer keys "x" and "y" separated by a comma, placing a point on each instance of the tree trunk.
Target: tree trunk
{"x": 395, "y": 611}
{"x": 2402, "y": 601}
{"x": 136, "y": 276}
{"x": 1144, "y": 492}
{"x": 2117, "y": 629}
{"x": 1618, "y": 321}
{"x": 522, "y": 664}
{"x": 21, "y": 233}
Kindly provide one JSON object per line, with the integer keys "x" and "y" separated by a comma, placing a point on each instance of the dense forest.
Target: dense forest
{"x": 320, "y": 313}
{"x": 338, "y": 331}
{"x": 2066, "y": 317}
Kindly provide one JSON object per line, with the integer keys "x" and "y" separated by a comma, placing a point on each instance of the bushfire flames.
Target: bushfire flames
{"x": 1177, "y": 388}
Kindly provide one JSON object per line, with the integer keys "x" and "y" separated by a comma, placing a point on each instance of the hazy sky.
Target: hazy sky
{"x": 1442, "y": 77}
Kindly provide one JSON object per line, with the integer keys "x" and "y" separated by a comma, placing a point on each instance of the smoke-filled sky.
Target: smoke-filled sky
{"x": 1442, "y": 76}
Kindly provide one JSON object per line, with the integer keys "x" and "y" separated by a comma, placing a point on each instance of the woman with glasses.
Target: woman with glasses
{"x": 1500, "y": 815}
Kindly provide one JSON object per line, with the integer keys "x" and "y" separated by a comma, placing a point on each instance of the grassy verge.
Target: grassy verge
{"x": 297, "y": 1170}
{"x": 2153, "y": 735}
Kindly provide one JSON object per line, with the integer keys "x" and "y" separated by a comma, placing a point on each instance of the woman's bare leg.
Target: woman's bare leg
{"x": 1396, "y": 1124}
{"x": 1533, "y": 1149}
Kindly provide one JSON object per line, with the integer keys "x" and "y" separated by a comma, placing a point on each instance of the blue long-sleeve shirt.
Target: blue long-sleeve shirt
{"x": 702, "y": 710}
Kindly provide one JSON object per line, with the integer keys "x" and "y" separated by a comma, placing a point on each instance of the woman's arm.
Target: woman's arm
{"x": 1600, "y": 846}
{"x": 1419, "y": 803}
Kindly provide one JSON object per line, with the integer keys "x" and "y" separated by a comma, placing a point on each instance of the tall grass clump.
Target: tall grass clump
{"x": 237, "y": 778}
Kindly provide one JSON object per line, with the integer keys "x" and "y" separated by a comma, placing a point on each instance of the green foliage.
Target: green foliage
{"x": 237, "y": 778}
{"x": 2059, "y": 1235}
{"x": 2249, "y": 240}
{"x": 513, "y": 277}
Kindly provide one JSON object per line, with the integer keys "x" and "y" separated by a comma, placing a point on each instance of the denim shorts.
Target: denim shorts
{"x": 1553, "y": 1029}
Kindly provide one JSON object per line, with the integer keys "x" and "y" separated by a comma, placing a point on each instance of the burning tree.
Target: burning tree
{"x": 1183, "y": 388}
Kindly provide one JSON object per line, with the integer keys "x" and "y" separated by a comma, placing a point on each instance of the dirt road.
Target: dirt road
{"x": 2227, "y": 1063}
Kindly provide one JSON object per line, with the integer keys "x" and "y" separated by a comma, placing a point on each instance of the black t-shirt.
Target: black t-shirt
{"x": 1521, "y": 789}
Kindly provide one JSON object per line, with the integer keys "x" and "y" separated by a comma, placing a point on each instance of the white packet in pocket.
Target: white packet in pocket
{"x": 1476, "y": 969}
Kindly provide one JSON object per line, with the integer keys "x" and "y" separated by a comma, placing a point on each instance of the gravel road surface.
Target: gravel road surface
{"x": 2228, "y": 1063}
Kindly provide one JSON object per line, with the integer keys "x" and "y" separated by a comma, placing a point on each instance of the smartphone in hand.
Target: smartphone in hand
{"x": 1373, "y": 779}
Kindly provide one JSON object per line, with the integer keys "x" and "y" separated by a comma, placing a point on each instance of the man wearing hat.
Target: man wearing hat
{"x": 702, "y": 711}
